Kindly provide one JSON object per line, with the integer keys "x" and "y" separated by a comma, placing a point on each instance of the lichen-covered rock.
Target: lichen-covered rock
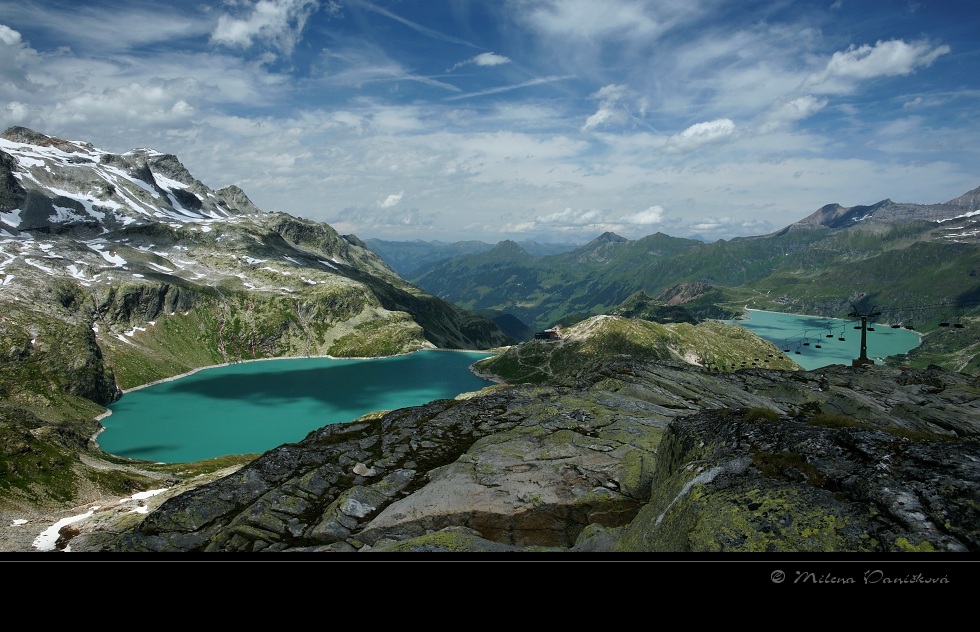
{"x": 788, "y": 485}
{"x": 636, "y": 457}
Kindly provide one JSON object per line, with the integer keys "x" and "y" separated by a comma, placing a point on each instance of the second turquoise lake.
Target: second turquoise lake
{"x": 815, "y": 341}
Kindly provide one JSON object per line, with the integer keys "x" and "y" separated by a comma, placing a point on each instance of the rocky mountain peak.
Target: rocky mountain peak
{"x": 28, "y": 136}
{"x": 70, "y": 186}
{"x": 886, "y": 211}
{"x": 607, "y": 238}
{"x": 969, "y": 201}
{"x": 506, "y": 248}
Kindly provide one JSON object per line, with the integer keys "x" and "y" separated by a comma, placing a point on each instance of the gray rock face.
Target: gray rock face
{"x": 12, "y": 194}
{"x": 636, "y": 457}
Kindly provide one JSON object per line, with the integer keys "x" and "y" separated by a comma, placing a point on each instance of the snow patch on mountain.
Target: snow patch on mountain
{"x": 963, "y": 216}
{"x": 111, "y": 257}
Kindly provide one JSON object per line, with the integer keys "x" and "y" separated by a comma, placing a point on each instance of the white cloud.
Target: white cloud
{"x": 392, "y": 200}
{"x": 721, "y": 227}
{"x": 585, "y": 222}
{"x": 153, "y": 104}
{"x": 17, "y": 60}
{"x": 701, "y": 133}
{"x": 361, "y": 64}
{"x": 490, "y": 59}
{"x": 483, "y": 59}
{"x": 97, "y": 29}
{"x": 275, "y": 22}
{"x": 647, "y": 217}
{"x": 8, "y": 36}
{"x": 601, "y": 117}
{"x": 736, "y": 72}
{"x": 884, "y": 59}
{"x": 573, "y": 218}
{"x": 613, "y": 107}
{"x": 357, "y": 118}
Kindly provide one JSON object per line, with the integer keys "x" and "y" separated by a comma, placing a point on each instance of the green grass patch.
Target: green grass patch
{"x": 761, "y": 413}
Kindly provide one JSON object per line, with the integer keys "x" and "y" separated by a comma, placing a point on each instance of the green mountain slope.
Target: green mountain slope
{"x": 599, "y": 340}
{"x": 915, "y": 264}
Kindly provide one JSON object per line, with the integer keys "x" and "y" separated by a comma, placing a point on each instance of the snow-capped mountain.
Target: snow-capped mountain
{"x": 147, "y": 266}
{"x": 959, "y": 217}
{"x": 70, "y": 209}
{"x": 54, "y": 184}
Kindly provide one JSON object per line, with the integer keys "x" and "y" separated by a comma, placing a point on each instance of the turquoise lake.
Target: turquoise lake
{"x": 252, "y": 407}
{"x": 815, "y": 341}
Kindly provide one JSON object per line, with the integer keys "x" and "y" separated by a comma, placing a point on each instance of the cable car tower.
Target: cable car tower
{"x": 863, "y": 360}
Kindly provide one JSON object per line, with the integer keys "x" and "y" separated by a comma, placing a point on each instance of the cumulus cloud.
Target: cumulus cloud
{"x": 701, "y": 133}
{"x": 15, "y": 58}
{"x": 483, "y": 59}
{"x": 392, "y": 200}
{"x": 646, "y": 217}
{"x": 274, "y": 22}
{"x": 153, "y": 103}
{"x": 8, "y": 36}
{"x": 884, "y": 59}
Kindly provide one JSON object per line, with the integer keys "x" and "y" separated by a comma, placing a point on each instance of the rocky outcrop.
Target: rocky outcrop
{"x": 731, "y": 482}
{"x": 12, "y": 194}
{"x": 639, "y": 456}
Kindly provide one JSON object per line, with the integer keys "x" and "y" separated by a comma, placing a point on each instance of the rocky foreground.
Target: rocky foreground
{"x": 636, "y": 457}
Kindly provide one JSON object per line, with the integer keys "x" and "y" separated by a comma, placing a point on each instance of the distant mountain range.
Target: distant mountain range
{"x": 915, "y": 264}
{"x": 405, "y": 257}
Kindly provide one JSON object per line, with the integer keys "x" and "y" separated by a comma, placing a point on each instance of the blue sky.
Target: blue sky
{"x": 552, "y": 120}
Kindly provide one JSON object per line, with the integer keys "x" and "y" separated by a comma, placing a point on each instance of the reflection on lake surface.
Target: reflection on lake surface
{"x": 815, "y": 341}
{"x": 252, "y": 407}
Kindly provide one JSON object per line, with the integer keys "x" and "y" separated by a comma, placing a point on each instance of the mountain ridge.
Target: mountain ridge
{"x": 877, "y": 256}
{"x": 131, "y": 248}
{"x": 124, "y": 271}
{"x": 837, "y": 216}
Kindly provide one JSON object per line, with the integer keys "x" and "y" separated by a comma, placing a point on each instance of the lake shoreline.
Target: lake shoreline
{"x": 428, "y": 374}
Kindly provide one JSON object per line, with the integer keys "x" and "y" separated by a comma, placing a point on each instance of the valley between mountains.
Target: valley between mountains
{"x": 643, "y": 427}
